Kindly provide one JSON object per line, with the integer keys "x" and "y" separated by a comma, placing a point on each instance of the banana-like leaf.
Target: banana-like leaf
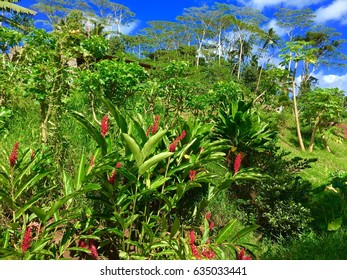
{"x": 134, "y": 148}
{"x": 175, "y": 227}
{"x": 151, "y": 143}
{"x": 79, "y": 177}
{"x": 152, "y": 161}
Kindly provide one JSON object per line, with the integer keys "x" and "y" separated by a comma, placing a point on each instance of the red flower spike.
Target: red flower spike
{"x": 93, "y": 250}
{"x": 192, "y": 237}
{"x": 208, "y": 216}
{"x": 82, "y": 244}
{"x": 172, "y": 147}
{"x": 192, "y": 174}
{"x": 104, "y": 125}
{"x": 26, "y": 240}
{"x": 148, "y": 131}
{"x": 237, "y": 163}
{"x": 211, "y": 226}
{"x": 118, "y": 165}
{"x": 208, "y": 253}
{"x": 112, "y": 178}
{"x": 241, "y": 255}
{"x": 14, "y": 155}
{"x": 195, "y": 251}
{"x": 156, "y": 124}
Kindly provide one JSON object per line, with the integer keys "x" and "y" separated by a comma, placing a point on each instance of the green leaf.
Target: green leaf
{"x": 30, "y": 183}
{"x": 176, "y": 226}
{"x": 121, "y": 121}
{"x": 152, "y": 141}
{"x": 335, "y": 225}
{"x": 225, "y": 232}
{"x": 157, "y": 183}
{"x": 134, "y": 148}
{"x": 95, "y": 133}
{"x": 243, "y": 232}
{"x": 41, "y": 214}
{"x": 152, "y": 161}
{"x": 80, "y": 174}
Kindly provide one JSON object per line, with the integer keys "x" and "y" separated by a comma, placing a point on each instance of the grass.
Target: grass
{"x": 327, "y": 163}
{"x": 310, "y": 246}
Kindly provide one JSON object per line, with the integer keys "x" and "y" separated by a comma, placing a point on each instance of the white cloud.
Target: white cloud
{"x": 124, "y": 29}
{"x": 260, "y": 4}
{"x": 335, "y": 11}
{"x": 332, "y": 81}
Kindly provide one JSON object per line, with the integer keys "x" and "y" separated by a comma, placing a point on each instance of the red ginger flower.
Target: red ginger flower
{"x": 112, "y": 178}
{"x": 211, "y": 226}
{"x": 195, "y": 251}
{"x": 156, "y": 124}
{"x": 192, "y": 174}
{"x": 241, "y": 255}
{"x": 173, "y": 145}
{"x": 93, "y": 250}
{"x": 208, "y": 216}
{"x": 118, "y": 165}
{"x": 26, "y": 239}
{"x": 237, "y": 163}
{"x": 208, "y": 253}
{"x": 14, "y": 155}
{"x": 192, "y": 237}
{"x": 104, "y": 125}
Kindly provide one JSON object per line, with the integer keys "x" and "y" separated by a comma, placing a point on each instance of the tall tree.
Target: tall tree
{"x": 298, "y": 51}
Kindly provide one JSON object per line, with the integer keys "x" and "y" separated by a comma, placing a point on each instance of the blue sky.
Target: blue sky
{"x": 332, "y": 13}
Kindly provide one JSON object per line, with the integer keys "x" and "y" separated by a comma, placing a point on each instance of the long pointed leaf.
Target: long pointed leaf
{"x": 134, "y": 148}
{"x": 152, "y": 141}
{"x": 152, "y": 161}
{"x": 225, "y": 233}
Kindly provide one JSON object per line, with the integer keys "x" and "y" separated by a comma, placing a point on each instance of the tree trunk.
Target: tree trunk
{"x": 313, "y": 135}
{"x": 325, "y": 141}
{"x": 296, "y": 112}
{"x": 240, "y": 58}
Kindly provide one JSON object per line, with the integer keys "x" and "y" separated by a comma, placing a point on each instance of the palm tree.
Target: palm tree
{"x": 9, "y": 6}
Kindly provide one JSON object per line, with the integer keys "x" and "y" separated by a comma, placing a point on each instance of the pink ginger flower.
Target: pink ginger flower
{"x": 192, "y": 237}
{"x": 241, "y": 255}
{"x": 237, "y": 163}
{"x": 14, "y": 155}
{"x": 26, "y": 239}
{"x": 195, "y": 251}
{"x": 118, "y": 165}
{"x": 104, "y": 125}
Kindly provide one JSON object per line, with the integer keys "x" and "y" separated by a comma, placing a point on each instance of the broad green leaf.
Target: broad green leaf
{"x": 175, "y": 227}
{"x": 225, "y": 233}
{"x": 134, "y": 148}
{"x": 152, "y": 141}
{"x": 152, "y": 161}
{"x": 335, "y": 225}
{"x": 157, "y": 183}
{"x": 185, "y": 150}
